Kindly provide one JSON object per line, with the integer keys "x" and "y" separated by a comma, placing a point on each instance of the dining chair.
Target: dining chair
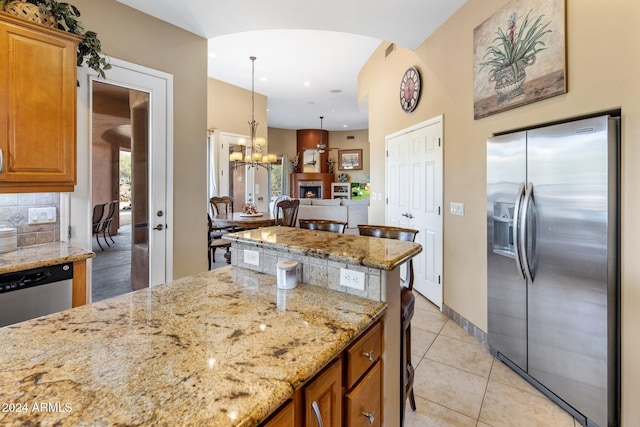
{"x": 111, "y": 209}
{"x": 215, "y": 241}
{"x": 323, "y": 225}
{"x": 98, "y": 213}
{"x": 287, "y": 212}
{"x": 407, "y": 304}
{"x": 221, "y": 205}
{"x": 275, "y": 203}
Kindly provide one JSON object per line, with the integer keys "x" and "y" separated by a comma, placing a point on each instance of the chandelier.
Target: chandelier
{"x": 252, "y": 155}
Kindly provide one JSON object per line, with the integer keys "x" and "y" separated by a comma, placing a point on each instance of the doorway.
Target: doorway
{"x": 415, "y": 190}
{"x": 148, "y": 93}
{"x": 119, "y": 160}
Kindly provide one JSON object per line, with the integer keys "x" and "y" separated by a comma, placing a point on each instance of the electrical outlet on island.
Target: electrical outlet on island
{"x": 352, "y": 279}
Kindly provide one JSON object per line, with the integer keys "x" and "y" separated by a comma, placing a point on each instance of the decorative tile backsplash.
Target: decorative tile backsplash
{"x": 311, "y": 270}
{"x": 14, "y": 211}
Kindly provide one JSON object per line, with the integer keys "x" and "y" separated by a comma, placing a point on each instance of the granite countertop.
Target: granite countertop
{"x": 44, "y": 255}
{"x": 223, "y": 348}
{"x": 373, "y": 252}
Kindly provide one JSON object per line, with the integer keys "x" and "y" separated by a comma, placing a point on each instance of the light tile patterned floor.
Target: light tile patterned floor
{"x": 458, "y": 382}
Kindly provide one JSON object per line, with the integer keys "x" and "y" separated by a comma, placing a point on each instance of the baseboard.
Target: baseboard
{"x": 471, "y": 329}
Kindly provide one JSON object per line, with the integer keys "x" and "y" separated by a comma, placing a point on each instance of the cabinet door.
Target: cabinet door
{"x": 323, "y": 398}
{"x": 363, "y": 402}
{"x": 284, "y": 418}
{"x": 38, "y": 100}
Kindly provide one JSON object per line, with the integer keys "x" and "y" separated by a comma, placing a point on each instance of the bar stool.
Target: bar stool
{"x": 407, "y": 307}
{"x": 323, "y": 225}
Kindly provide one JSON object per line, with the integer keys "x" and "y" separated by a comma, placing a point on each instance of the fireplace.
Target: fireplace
{"x": 310, "y": 189}
{"x": 318, "y": 184}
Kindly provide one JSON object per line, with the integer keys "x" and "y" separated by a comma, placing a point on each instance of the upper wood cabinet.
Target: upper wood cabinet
{"x": 37, "y": 107}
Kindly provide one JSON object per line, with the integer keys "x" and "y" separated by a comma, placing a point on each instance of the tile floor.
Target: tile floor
{"x": 458, "y": 382}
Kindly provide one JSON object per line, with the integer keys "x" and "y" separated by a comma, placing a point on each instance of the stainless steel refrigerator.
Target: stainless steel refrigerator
{"x": 552, "y": 262}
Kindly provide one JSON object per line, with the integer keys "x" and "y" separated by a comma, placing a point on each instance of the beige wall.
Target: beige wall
{"x": 132, "y": 36}
{"x": 229, "y": 108}
{"x": 283, "y": 141}
{"x": 338, "y": 139}
{"x": 603, "y": 70}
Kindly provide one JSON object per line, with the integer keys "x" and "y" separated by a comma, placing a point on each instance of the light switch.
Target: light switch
{"x": 41, "y": 215}
{"x": 456, "y": 208}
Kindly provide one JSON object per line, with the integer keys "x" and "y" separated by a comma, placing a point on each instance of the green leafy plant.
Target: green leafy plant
{"x": 515, "y": 47}
{"x": 67, "y": 15}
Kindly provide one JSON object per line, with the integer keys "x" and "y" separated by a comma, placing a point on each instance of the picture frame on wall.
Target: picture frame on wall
{"x": 519, "y": 56}
{"x": 350, "y": 159}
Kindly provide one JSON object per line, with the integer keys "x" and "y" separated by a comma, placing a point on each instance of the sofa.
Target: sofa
{"x": 353, "y": 212}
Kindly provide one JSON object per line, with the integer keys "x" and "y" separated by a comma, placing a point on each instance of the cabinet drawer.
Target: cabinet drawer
{"x": 363, "y": 354}
{"x": 363, "y": 402}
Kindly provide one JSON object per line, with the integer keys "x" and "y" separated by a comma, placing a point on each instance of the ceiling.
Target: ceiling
{"x": 309, "y": 54}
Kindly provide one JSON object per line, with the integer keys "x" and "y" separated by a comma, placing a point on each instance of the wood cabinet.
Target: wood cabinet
{"x": 348, "y": 392}
{"x": 323, "y": 398}
{"x": 363, "y": 398}
{"x": 37, "y": 107}
{"x": 363, "y": 402}
{"x": 285, "y": 417}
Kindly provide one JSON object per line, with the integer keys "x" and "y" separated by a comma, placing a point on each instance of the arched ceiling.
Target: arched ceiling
{"x": 323, "y": 44}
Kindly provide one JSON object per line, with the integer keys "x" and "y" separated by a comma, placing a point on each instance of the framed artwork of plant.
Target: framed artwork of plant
{"x": 350, "y": 159}
{"x": 519, "y": 56}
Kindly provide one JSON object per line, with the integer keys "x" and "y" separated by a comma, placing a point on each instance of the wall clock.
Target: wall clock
{"x": 410, "y": 87}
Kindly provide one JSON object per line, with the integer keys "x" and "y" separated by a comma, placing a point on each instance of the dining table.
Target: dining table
{"x": 244, "y": 221}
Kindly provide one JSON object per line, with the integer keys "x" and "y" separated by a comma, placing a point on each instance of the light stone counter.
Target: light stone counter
{"x": 372, "y": 252}
{"x": 45, "y": 255}
{"x": 223, "y": 348}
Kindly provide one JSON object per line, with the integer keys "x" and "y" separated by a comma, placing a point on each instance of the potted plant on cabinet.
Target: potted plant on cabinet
{"x": 63, "y": 16}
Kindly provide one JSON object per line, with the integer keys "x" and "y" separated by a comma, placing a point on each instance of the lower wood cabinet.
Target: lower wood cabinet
{"x": 323, "y": 398}
{"x": 348, "y": 392}
{"x": 363, "y": 402}
{"x": 285, "y": 417}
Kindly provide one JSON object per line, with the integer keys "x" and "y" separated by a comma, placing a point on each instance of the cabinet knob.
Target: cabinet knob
{"x": 369, "y": 416}
{"x": 369, "y": 355}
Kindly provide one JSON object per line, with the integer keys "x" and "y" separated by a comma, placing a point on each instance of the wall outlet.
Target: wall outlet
{"x": 251, "y": 257}
{"x": 352, "y": 279}
{"x": 456, "y": 208}
{"x": 41, "y": 215}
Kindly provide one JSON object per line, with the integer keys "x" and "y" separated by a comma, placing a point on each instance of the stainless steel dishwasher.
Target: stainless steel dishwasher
{"x": 33, "y": 293}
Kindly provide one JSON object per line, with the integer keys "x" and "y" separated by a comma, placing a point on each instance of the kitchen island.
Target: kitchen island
{"x": 223, "y": 348}
{"x": 368, "y": 267}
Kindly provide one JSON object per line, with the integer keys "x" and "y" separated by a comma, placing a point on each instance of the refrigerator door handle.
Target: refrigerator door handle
{"x": 516, "y": 228}
{"x": 522, "y": 238}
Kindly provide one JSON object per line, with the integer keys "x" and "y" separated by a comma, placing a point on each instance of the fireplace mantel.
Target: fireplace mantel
{"x": 325, "y": 178}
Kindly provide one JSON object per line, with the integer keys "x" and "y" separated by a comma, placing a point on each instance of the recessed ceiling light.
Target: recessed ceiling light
{"x": 307, "y": 84}
{"x": 336, "y": 91}
{"x": 212, "y": 55}
{"x": 263, "y": 79}
{"x": 345, "y": 126}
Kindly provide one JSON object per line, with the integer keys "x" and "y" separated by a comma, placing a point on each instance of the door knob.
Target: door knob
{"x": 159, "y": 227}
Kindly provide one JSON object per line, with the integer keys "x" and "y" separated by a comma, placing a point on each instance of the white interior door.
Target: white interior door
{"x": 414, "y": 189}
{"x": 76, "y": 217}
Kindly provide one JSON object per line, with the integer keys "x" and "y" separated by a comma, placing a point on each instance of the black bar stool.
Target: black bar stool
{"x": 407, "y": 307}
